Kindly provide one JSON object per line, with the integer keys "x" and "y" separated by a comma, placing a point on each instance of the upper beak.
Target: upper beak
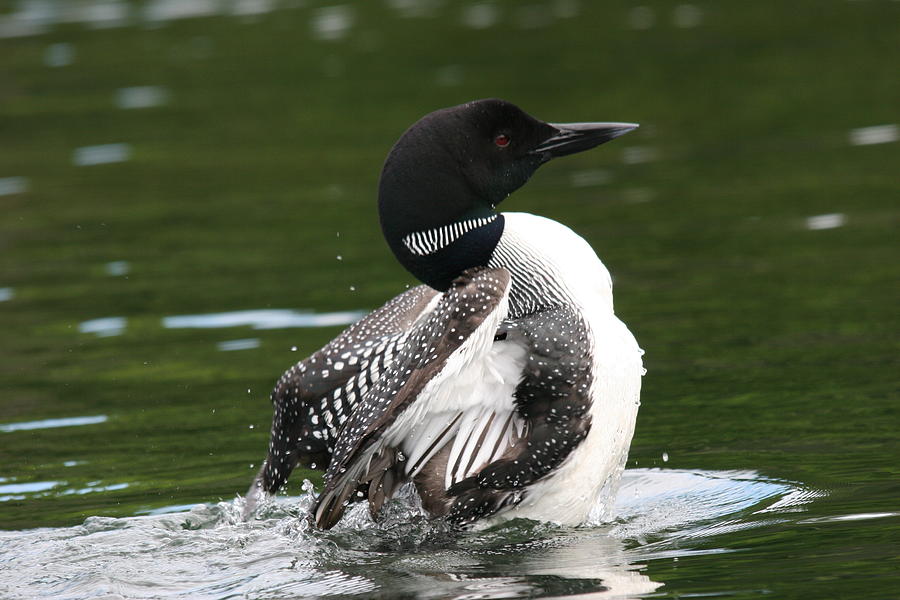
{"x": 576, "y": 137}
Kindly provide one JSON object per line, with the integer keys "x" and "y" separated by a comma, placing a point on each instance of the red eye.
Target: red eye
{"x": 502, "y": 140}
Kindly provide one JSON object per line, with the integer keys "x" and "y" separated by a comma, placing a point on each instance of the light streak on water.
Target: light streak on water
{"x": 242, "y": 344}
{"x": 104, "y": 327}
{"x": 52, "y": 423}
{"x": 829, "y": 221}
{"x": 263, "y": 319}
{"x": 101, "y": 154}
{"x": 142, "y": 96}
{"x": 877, "y": 134}
{"x": 13, "y": 185}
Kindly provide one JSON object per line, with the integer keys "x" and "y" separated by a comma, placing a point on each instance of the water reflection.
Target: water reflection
{"x": 878, "y": 134}
{"x": 117, "y": 268}
{"x": 332, "y": 22}
{"x": 263, "y": 319}
{"x": 104, "y": 327}
{"x": 143, "y": 96}
{"x": 13, "y": 185}
{"x": 101, "y": 154}
{"x": 208, "y": 551}
{"x": 829, "y": 221}
{"x": 52, "y": 423}
{"x": 35, "y": 17}
{"x": 244, "y": 344}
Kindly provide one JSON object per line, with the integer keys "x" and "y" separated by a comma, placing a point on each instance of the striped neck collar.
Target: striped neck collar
{"x": 424, "y": 243}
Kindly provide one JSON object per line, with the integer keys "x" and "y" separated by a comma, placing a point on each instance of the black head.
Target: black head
{"x": 446, "y": 174}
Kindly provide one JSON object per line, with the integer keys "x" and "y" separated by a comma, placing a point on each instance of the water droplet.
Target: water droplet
{"x": 293, "y": 348}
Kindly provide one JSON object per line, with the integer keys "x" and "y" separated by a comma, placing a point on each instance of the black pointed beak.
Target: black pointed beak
{"x": 577, "y": 137}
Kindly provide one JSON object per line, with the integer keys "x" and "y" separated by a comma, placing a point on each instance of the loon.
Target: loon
{"x": 504, "y": 386}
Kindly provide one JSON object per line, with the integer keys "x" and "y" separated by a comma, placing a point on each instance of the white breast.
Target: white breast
{"x": 537, "y": 251}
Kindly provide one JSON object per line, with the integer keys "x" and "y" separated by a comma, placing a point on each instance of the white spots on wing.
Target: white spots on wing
{"x": 829, "y": 221}
{"x": 142, "y": 96}
{"x": 10, "y": 186}
{"x": 331, "y": 23}
{"x": 877, "y": 134}
{"x": 101, "y": 154}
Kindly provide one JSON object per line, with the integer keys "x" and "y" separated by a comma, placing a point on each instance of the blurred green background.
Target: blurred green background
{"x": 750, "y": 224}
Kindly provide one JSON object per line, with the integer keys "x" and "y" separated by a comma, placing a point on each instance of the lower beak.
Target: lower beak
{"x": 577, "y": 137}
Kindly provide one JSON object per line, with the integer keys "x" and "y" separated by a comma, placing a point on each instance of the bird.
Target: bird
{"x": 502, "y": 386}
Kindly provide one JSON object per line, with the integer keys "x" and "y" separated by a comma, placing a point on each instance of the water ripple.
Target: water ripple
{"x": 209, "y": 551}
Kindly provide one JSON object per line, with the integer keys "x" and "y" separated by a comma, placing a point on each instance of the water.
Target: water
{"x": 187, "y": 208}
{"x": 210, "y": 552}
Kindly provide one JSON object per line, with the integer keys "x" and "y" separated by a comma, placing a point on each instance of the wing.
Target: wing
{"x": 554, "y": 400}
{"x": 369, "y": 453}
{"x": 314, "y": 398}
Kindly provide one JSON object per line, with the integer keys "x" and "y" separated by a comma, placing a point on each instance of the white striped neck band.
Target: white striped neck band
{"x": 423, "y": 243}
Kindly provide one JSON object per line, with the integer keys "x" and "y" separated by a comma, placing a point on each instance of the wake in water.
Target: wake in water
{"x": 209, "y": 551}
